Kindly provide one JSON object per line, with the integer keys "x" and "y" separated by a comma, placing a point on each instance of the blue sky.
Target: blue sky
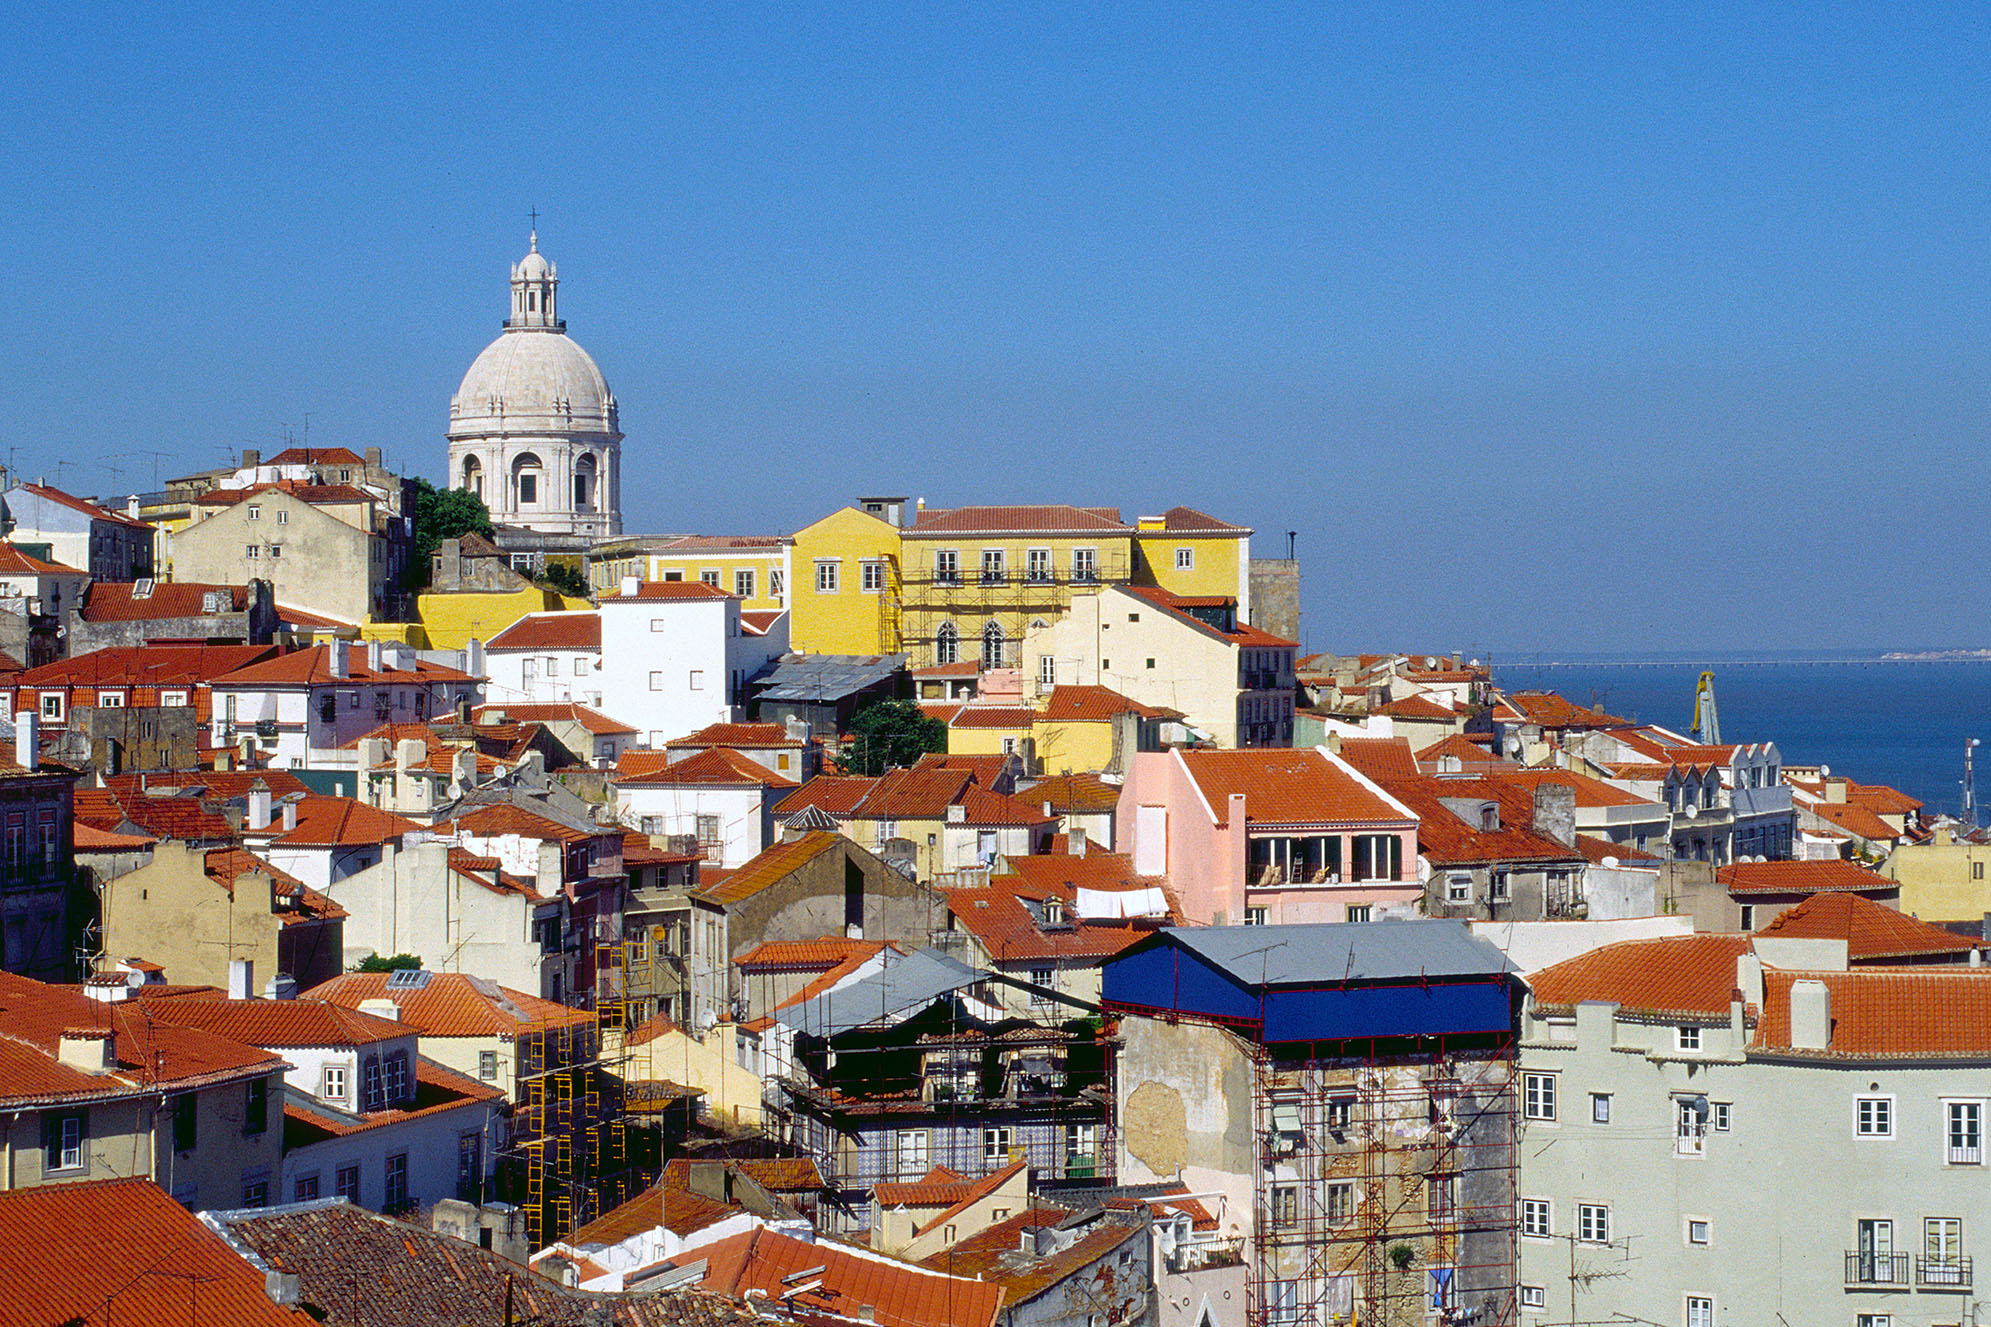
{"x": 1615, "y": 327}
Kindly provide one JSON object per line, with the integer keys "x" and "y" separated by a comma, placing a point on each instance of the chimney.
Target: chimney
{"x": 283, "y": 986}
{"x": 251, "y": 458}
{"x": 372, "y": 455}
{"x": 289, "y": 814}
{"x": 473, "y": 657}
{"x": 463, "y": 768}
{"x": 27, "y": 740}
{"x": 1749, "y": 978}
{"x": 381, "y": 1007}
{"x": 1811, "y": 1016}
{"x": 409, "y": 753}
{"x": 241, "y": 979}
{"x": 336, "y": 660}
{"x": 259, "y": 805}
{"x": 92, "y": 1050}
{"x": 552, "y": 857}
{"x": 1075, "y": 841}
{"x": 373, "y": 655}
{"x": 631, "y": 586}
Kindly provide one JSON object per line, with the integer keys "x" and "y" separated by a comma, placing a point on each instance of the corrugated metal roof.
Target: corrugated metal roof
{"x": 1326, "y": 952}
{"x": 907, "y": 983}
{"x": 825, "y": 677}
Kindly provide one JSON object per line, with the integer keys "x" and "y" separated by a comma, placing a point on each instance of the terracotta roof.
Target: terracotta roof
{"x": 145, "y": 665}
{"x": 1243, "y": 634}
{"x": 758, "y": 621}
{"x": 1856, "y": 820}
{"x": 1596, "y": 851}
{"x": 979, "y": 806}
{"x": 959, "y": 668}
{"x": 453, "y": 1004}
{"x": 1933, "y": 1012}
{"x": 1872, "y": 931}
{"x": 592, "y": 720}
{"x": 76, "y": 504}
{"x": 309, "y": 667}
{"x": 939, "y": 1187}
{"x": 998, "y": 915}
{"x": 1688, "y": 976}
{"x": 500, "y": 819}
{"x": 963, "y": 1193}
{"x": 316, "y": 456}
{"x": 123, "y": 1251}
{"x": 1444, "y": 837}
{"x": 226, "y": 866}
{"x": 993, "y": 716}
{"x": 991, "y": 1255}
{"x": 1815, "y": 877}
{"x": 117, "y": 601}
{"x": 151, "y": 1057}
{"x": 1380, "y": 758}
{"x": 775, "y": 1174}
{"x": 1589, "y": 792}
{"x": 438, "y": 1089}
{"x": 1470, "y": 754}
{"x": 715, "y": 765}
{"x": 15, "y": 562}
{"x": 1286, "y": 787}
{"x": 1187, "y": 520}
{"x": 749, "y": 735}
{"x": 274, "y": 1023}
{"x": 1072, "y": 794}
{"x": 331, "y": 495}
{"x": 550, "y": 631}
{"x": 88, "y": 838}
{"x": 337, "y": 822}
{"x": 675, "y": 1209}
{"x": 668, "y": 590}
{"x": 807, "y": 955}
{"x": 360, "y": 1269}
{"x": 898, "y": 1294}
{"x": 772, "y": 865}
{"x": 1418, "y": 707}
{"x": 1882, "y": 800}
{"x": 836, "y": 794}
{"x": 1701, "y": 755}
{"x": 1549, "y": 710}
{"x": 713, "y": 543}
{"x": 1055, "y": 518}
{"x": 1074, "y": 704}
{"x": 184, "y": 816}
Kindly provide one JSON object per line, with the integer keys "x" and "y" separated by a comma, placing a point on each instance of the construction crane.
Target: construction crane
{"x": 1707, "y": 724}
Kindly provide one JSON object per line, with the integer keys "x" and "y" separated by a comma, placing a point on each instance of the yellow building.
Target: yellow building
{"x": 753, "y": 567}
{"x": 1074, "y": 730}
{"x": 1942, "y": 880}
{"x": 452, "y": 619}
{"x": 1188, "y": 552}
{"x": 847, "y": 597}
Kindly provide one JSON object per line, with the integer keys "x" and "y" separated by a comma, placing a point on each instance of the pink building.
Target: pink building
{"x": 1267, "y": 836}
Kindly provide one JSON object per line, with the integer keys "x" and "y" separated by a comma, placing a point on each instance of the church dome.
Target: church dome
{"x": 532, "y": 379}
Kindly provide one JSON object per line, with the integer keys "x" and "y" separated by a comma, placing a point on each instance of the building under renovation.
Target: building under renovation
{"x": 1342, "y": 1095}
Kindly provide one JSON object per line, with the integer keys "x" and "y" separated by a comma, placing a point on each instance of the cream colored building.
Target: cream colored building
{"x": 1943, "y": 880}
{"x": 322, "y": 548}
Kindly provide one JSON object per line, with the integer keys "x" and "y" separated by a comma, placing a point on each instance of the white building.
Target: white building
{"x": 60, "y": 527}
{"x": 720, "y": 796}
{"x": 303, "y": 707}
{"x": 532, "y": 428}
{"x": 675, "y": 657}
{"x": 546, "y": 658}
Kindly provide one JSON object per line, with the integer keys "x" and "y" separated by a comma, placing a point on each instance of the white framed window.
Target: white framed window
{"x": 1047, "y": 670}
{"x": 1963, "y": 1127}
{"x": 1943, "y": 1263}
{"x": 283, "y": 517}
{"x": 173, "y": 700}
{"x": 1037, "y": 565}
{"x": 1538, "y": 1096}
{"x": 913, "y": 1153}
{"x": 1873, "y": 1117}
{"x": 947, "y": 566}
{"x": 1499, "y": 887}
{"x": 1600, "y": 1108}
{"x": 1537, "y": 1218}
{"x": 1689, "y": 1131}
{"x": 332, "y": 1082}
{"x": 1458, "y": 888}
{"x": 709, "y": 577}
{"x": 656, "y": 684}
{"x": 252, "y": 551}
{"x": 1700, "y": 1311}
{"x": 871, "y": 576}
{"x": 1593, "y": 1223}
{"x": 1534, "y": 1298}
{"x": 1285, "y": 1204}
{"x": 995, "y": 1146}
{"x": 1687, "y": 1037}
{"x": 1723, "y": 1113}
{"x": 994, "y": 566}
{"x": 487, "y": 1065}
{"x": 110, "y": 700}
{"x": 1254, "y": 916}
{"x": 828, "y": 571}
{"x": 696, "y": 679}
{"x": 52, "y": 706}
{"x": 776, "y": 585}
{"x": 710, "y": 833}
{"x": 1874, "y": 1320}
{"x": 1085, "y": 565}
{"x": 743, "y": 584}
{"x": 1340, "y": 1200}
{"x": 1185, "y": 559}
{"x": 255, "y": 512}
{"x": 1698, "y": 1230}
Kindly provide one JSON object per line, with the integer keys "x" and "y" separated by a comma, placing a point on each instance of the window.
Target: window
{"x": 305, "y": 1189}
{"x": 1037, "y": 566}
{"x": 946, "y": 566}
{"x": 62, "y": 1141}
{"x": 487, "y": 1065}
{"x": 1876, "y": 1263}
{"x": 1687, "y": 1038}
{"x": 1340, "y": 1200}
{"x": 470, "y": 1166}
{"x": 1977, "y": 870}
{"x": 1285, "y": 1204}
{"x": 1536, "y": 1218}
{"x": 252, "y": 550}
{"x": 1358, "y": 912}
{"x": 1047, "y": 670}
{"x": 1340, "y": 1114}
{"x": 871, "y": 576}
{"x": 173, "y": 699}
{"x": 1874, "y": 1320}
{"x": 1943, "y": 1263}
{"x": 396, "y": 1077}
{"x": 709, "y": 577}
{"x": 528, "y": 488}
{"x": 995, "y": 1147}
{"x": 1697, "y": 1230}
{"x": 1282, "y": 1303}
{"x": 1185, "y": 559}
{"x": 395, "y": 1196}
{"x": 1458, "y": 888}
{"x": 1965, "y": 1132}
{"x": 1689, "y": 1126}
{"x": 1538, "y": 1096}
{"x": 255, "y": 512}
{"x": 1085, "y": 565}
{"x": 283, "y": 518}
{"x": 256, "y": 1193}
{"x": 1700, "y": 1311}
{"x": 826, "y": 575}
{"x": 345, "y": 1184}
{"x": 696, "y": 680}
{"x": 775, "y": 584}
{"x": 186, "y": 1122}
{"x": 1151, "y": 663}
{"x": 1600, "y": 1108}
{"x": 912, "y": 1153}
{"x": 371, "y": 1097}
{"x": 1441, "y": 1196}
{"x": 1500, "y": 887}
{"x": 1593, "y": 1223}
{"x": 1081, "y": 1142}
{"x": 993, "y": 644}
{"x": 656, "y": 682}
{"x": 1722, "y": 1112}
{"x": 1254, "y": 916}
{"x": 256, "y": 1107}
{"x": 332, "y": 1082}
{"x": 1441, "y": 1288}
{"x": 710, "y": 834}
{"x": 51, "y": 706}
{"x": 276, "y": 550}
{"x": 1534, "y": 1297}
{"x": 743, "y": 584}
{"x": 992, "y": 567}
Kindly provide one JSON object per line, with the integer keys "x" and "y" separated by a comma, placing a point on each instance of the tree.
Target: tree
{"x": 442, "y": 513}
{"x": 375, "y": 963}
{"x": 889, "y": 733}
{"x": 564, "y": 578}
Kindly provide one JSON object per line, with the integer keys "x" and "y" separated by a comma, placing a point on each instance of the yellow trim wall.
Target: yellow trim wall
{"x": 847, "y": 619}
{"x": 1940, "y": 880}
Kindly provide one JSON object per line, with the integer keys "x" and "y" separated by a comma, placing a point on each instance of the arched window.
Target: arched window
{"x": 525, "y": 480}
{"x": 473, "y": 475}
{"x": 947, "y": 644}
{"x": 992, "y": 645}
{"x": 584, "y": 482}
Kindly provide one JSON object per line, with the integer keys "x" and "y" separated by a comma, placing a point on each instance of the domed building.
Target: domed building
{"x": 532, "y": 430}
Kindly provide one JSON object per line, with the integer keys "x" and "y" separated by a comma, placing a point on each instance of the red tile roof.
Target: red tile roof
{"x": 221, "y": 785}
{"x": 1800, "y": 878}
{"x": 898, "y": 1294}
{"x": 713, "y": 543}
{"x": 1070, "y": 794}
{"x": 592, "y": 720}
{"x": 1855, "y": 820}
{"x": 1941, "y": 1012}
{"x": 1078, "y": 704}
{"x": 752, "y": 736}
{"x": 328, "y": 495}
{"x": 454, "y": 1005}
{"x": 438, "y": 1088}
{"x": 758, "y": 621}
{"x": 1872, "y": 931}
{"x": 1470, "y": 754}
{"x": 715, "y": 765}
{"x": 775, "y": 1174}
{"x": 993, "y": 716}
{"x": 145, "y": 665}
{"x": 997, "y": 914}
{"x": 117, "y": 601}
{"x": 1589, "y": 792}
{"x": 1054, "y": 518}
{"x": 339, "y": 822}
{"x": 88, "y": 838}
{"x": 991, "y": 1255}
{"x": 15, "y": 562}
{"x": 939, "y": 1187}
{"x": 1597, "y": 851}
{"x": 185, "y": 817}
{"x": 502, "y": 819}
{"x": 675, "y": 1208}
{"x": 76, "y": 504}
{"x": 1243, "y": 634}
{"x": 1882, "y": 800}
{"x": 773, "y": 865}
{"x": 837, "y": 794}
{"x": 1687, "y": 976}
{"x": 806, "y": 955}
{"x": 1284, "y": 787}
{"x": 1548, "y": 710}
{"x": 316, "y": 456}
{"x": 1446, "y": 838}
{"x": 1187, "y": 520}
{"x": 1380, "y": 758}
{"x": 227, "y": 866}
{"x": 1418, "y": 707}
{"x": 550, "y": 631}
{"x": 309, "y": 667}
{"x": 274, "y": 1023}
{"x": 123, "y": 1251}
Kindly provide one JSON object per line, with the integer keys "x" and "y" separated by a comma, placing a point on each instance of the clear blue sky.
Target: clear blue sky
{"x": 1545, "y": 327}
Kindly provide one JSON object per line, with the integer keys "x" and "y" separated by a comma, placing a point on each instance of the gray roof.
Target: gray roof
{"x": 904, "y": 986}
{"x": 827, "y": 677}
{"x": 1343, "y": 951}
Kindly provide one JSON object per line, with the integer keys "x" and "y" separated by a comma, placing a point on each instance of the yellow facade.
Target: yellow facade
{"x": 959, "y": 586}
{"x": 1073, "y": 746}
{"x": 1942, "y": 880}
{"x": 1216, "y": 563}
{"x": 845, "y": 596}
{"x": 758, "y": 576}
{"x": 453, "y": 620}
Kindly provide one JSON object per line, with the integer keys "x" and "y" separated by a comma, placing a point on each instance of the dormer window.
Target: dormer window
{"x": 1489, "y": 818}
{"x": 1054, "y": 912}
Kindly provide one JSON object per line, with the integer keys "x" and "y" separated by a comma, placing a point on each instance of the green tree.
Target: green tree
{"x": 564, "y": 578}
{"x": 890, "y": 733}
{"x": 375, "y": 963}
{"x": 442, "y": 513}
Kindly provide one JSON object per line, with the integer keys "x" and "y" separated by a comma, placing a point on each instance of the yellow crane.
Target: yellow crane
{"x": 1707, "y": 724}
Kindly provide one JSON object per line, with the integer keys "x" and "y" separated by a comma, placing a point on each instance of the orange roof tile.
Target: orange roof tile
{"x": 1589, "y": 792}
{"x": 550, "y": 631}
{"x": 715, "y": 765}
{"x": 897, "y": 1294}
{"x": 1243, "y": 634}
{"x": 145, "y": 665}
{"x": 1380, "y": 758}
{"x": 1187, "y": 520}
{"x": 274, "y": 1023}
{"x": 316, "y": 456}
{"x": 338, "y": 822}
{"x": 87, "y": 508}
{"x": 773, "y": 865}
{"x": 453, "y": 1004}
{"x": 592, "y": 720}
{"x": 654, "y": 591}
{"x": 118, "y": 601}
{"x": 1877, "y": 1012}
{"x": 752, "y": 736}
{"x": 809, "y": 955}
{"x": 1072, "y": 793}
{"x": 500, "y": 819}
{"x": 1078, "y": 704}
{"x": 1288, "y": 787}
{"x": 309, "y": 667}
{"x": 15, "y": 562}
{"x": 1872, "y": 931}
{"x": 1687, "y": 976}
{"x": 1597, "y": 851}
{"x": 1418, "y": 707}
{"x": 1053, "y": 518}
{"x": 438, "y": 1088}
{"x": 993, "y": 716}
{"x": 775, "y": 1174}
{"x": 836, "y": 794}
{"x": 1549, "y": 710}
{"x": 991, "y": 1255}
{"x": 1801, "y": 877}
{"x": 718, "y": 543}
{"x": 1856, "y": 820}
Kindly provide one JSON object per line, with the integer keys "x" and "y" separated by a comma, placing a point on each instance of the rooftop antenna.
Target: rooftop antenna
{"x": 1969, "y": 782}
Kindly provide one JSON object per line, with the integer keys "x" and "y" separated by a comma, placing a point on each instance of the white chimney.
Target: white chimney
{"x": 381, "y": 1007}
{"x": 336, "y": 660}
{"x": 373, "y": 655}
{"x": 289, "y": 814}
{"x": 552, "y": 860}
{"x": 473, "y": 657}
{"x": 1811, "y": 1016}
{"x": 1075, "y": 838}
{"x": 410, "y": 753}
{"x": 259, "y": 805}
{"x": 241, "y": 979}
{"x": 631, "y": 586}
{"x": 27, "y": 740}
{"x": 283, "y": 986}
{"x": 93, "y": 1050}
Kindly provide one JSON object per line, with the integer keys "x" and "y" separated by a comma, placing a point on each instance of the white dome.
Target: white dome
{"x": 532, "y": 379}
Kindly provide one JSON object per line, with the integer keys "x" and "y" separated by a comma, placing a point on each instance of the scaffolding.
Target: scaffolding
{"x": 1385, "y": 1186}
{"x": 917, "y": 604}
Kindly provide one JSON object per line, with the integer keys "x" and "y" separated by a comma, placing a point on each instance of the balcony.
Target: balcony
{"x": 1942, "y": 1273}
{"x": 1877, "y": 1269}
